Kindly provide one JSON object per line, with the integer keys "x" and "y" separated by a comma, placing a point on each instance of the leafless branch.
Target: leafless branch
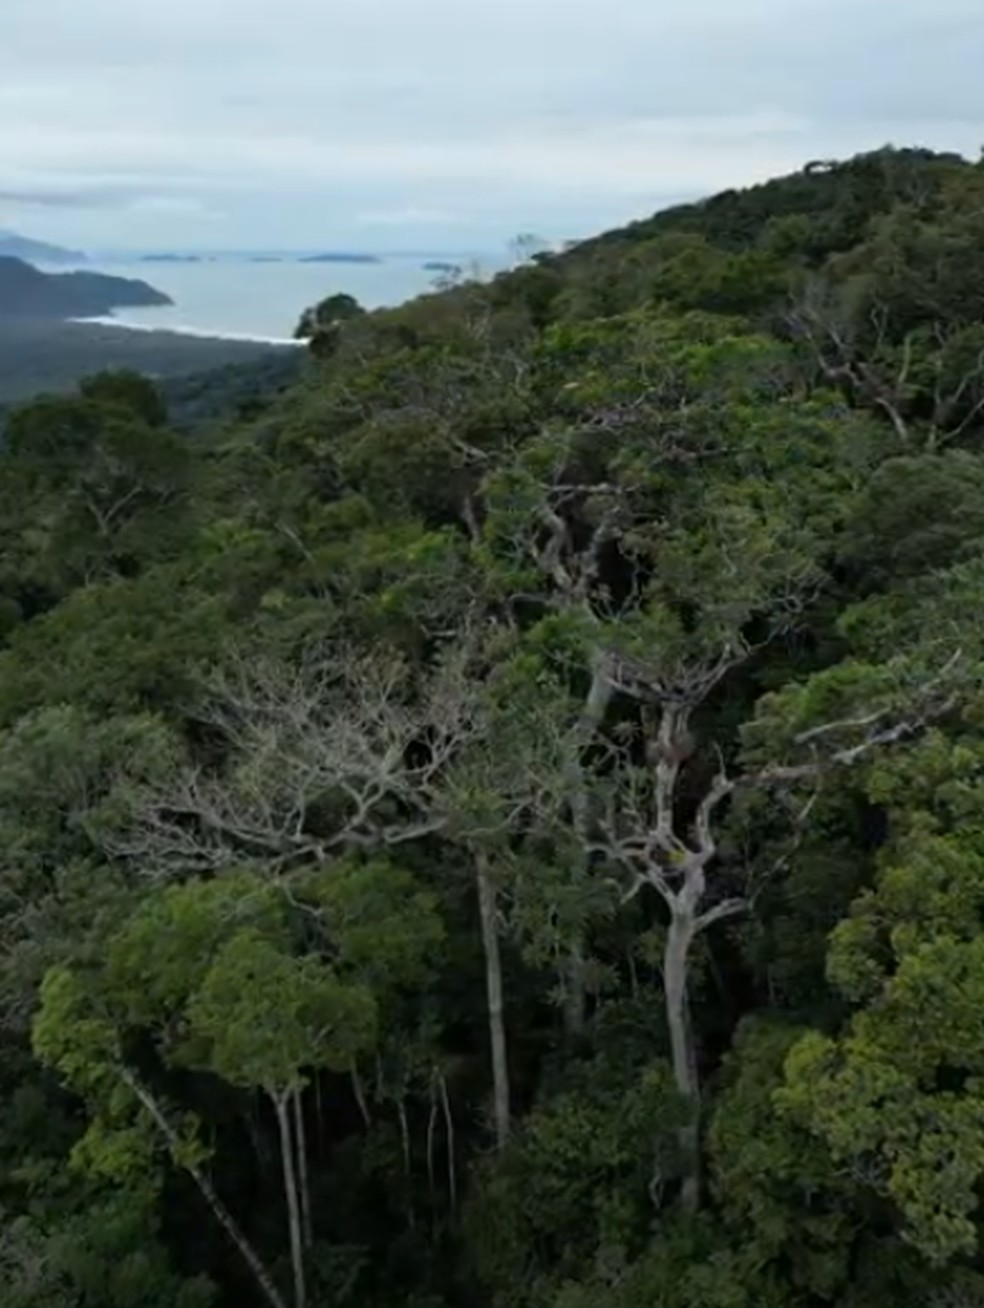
{"x": 340, "y": 750}
{"x": 721, "y": 912}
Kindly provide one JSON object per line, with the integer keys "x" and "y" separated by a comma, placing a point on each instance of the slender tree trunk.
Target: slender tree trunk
{"x": 678, "y": 941}
{"x": 401, "y": 1109}
{"x": 300, "y": 1139}
{"x": 633, "y": 973}
{"x": 281, "y": 1104}
{"x": 493, "y": 986}
{"x": 591, "y": 717}
{"x": 319, "y": 1110}
{"x": 226, "y": 1220}
{"x": 358, "y": 1089}
{"x": 401, "y": 1112}
{"x": 452, "y": 1160}
{"x": 431, "y": 1124}
{"x": 575, "y": 991}
{"x": 254, "y": 1128}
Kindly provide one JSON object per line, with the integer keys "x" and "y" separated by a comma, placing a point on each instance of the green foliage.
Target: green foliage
{"x": 121, "y": 646}
{"x": 56, "y": 356}
{"x": 576, "y": 1183}
{"x": 395, "y": 731}
{"x": 779, "y": 1190}
{"x": 382, "y": 927}
{"x": 104, "y": 483}
{"x": 897, "y": 1098}
{"x": 128, "y": 390}
{"x": 916, "y": 515}
{"x": 321, "y": 325}
{"x": 108, "y": 1256}
{"x": 262, "y": 1016}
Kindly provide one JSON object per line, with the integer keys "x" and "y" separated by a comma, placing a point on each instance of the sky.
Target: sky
{"x": 448, "y": 125}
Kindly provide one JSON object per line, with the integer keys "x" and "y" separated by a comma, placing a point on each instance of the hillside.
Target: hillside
{"x": 499, "y": 822}
{"x": 55, "y": 356}
{"x": 14, "y": 246}
{"x": 28, "y": 293}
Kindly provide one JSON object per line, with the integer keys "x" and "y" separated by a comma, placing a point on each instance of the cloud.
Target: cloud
{"x": 94, "y": 198}
{"x": 172, "y": 204}
{"x": 124, "y": 122}
{"x": 410, "y": 217}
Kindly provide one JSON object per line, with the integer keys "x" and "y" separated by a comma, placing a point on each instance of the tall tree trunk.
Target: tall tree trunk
{"x": 493, "y": 986}
{"x": 452, "y": 1159}
{"x": 319, "y": 1113}
{"x": 679, "y": 938}
{"x": 281, "y": 1104}
{"x": 226, "y": 1220}
{"x": 574, "y": 989}
{"x": 590, "y": 719}
{"x": 401, "y": 1110}
{"x": 358, "y": 1090}
{"x": 300, "y": 1139}
{"x": 431, "y": 1124}
{"x": 258, "y": 1138}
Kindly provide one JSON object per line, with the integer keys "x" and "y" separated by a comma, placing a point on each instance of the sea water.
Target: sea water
{"x": 259, "y": 299}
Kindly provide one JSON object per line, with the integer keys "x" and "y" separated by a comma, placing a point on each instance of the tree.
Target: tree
{"x": 353, "y": 740}
{"x": 663, "y": 600}
{"x": 211, "y": 970}
{"x": 526, "y": 247}
{"x": 262, "y": 1017}
{"x": 71, "y": 1034}
{"x": 895, "y": 1095}
{"x": 506, "y": 809}
{"x": 128, "y": 390}
{"x": 107, "y": 484}
{"x": 322, "y": 325}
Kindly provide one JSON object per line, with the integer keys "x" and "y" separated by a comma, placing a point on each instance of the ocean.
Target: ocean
{"x": 237, "y": 296}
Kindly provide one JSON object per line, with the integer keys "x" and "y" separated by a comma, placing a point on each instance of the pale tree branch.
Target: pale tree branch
{"x": 721, "y": 912}
{"x": 341, "y": 750}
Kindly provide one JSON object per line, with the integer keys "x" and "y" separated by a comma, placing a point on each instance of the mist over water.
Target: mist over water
{"x": 239, "y": 297}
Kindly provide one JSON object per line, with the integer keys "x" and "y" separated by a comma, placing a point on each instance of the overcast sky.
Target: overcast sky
{"x": 449, "y": 124}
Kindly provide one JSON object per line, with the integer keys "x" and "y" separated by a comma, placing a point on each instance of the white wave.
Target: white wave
{"x": 177, "y": 329}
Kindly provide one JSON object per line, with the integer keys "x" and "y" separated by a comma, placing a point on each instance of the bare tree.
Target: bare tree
{"x": 667, "y": 838}
{"x": 344, "y": 750}
{"x": 524, "y": 248}
{"x": 654, "y": 807}
{"x": 930, "y": 387}
{"x": 341, "y": 750}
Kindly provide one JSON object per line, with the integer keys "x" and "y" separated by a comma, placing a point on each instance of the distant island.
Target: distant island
{"x": 266, "y": 258}
{"x": 340, "y": 258}
{"x": 441, "y": 266}
{"x": 171, "y": 258}
{"x": 26, "y": 292}
{"x": 14, "y": 246}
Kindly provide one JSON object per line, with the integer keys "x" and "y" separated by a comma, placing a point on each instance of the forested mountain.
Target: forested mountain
{"x": 499, "y": 825}
{"x": 16, "y": 246}
{"x": 26, "y": 292}
{"x": 40, "y": 356}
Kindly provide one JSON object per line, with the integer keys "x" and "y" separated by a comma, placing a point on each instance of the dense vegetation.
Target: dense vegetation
{"x": 500, "y": 825}
{"x": 55, "y": 356}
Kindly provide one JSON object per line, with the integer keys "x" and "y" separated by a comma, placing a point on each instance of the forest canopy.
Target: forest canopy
{"x": 495, "y": 821}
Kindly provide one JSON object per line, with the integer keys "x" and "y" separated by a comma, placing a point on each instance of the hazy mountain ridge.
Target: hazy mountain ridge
{"x": 15, "y": 246}
{"x": 26, "y": 292}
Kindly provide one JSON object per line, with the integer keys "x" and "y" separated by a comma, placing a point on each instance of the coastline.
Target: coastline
{"x": 201, "y": 333}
